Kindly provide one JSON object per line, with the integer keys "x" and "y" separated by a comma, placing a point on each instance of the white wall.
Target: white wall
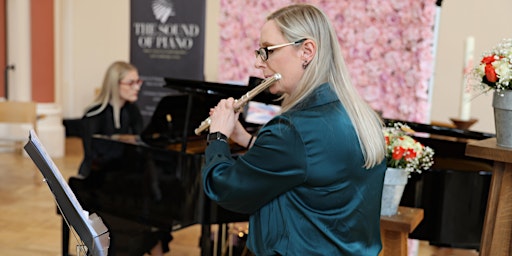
{"x": 488, "y": 22}
{"x": 95, "y": 32}
{"x": 91, "y": 35}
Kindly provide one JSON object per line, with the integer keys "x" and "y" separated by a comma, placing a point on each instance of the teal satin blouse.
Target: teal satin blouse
{"x": 302, "y": 183}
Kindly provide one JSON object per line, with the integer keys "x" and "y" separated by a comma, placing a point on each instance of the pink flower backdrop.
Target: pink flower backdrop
{"x": 387, "y": 46}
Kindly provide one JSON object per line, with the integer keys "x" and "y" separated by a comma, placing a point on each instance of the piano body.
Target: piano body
{"x": 155, "y": 178}
{"x": 159, "y": 183}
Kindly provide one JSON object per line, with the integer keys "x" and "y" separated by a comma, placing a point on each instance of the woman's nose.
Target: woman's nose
{"x": 259, "y": 63}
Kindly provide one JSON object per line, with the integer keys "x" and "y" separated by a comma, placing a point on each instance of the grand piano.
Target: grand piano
{"x": 156, "y": 179}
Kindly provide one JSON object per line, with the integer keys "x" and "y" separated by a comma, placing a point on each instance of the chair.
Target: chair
{"x": 16, "y": 113}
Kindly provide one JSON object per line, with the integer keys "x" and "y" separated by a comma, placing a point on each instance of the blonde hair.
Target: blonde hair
{"x": 110, "y": 91}
{"x": 306, "y": 21}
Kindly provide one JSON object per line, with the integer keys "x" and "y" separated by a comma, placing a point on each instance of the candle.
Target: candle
{"x": 465, "y": 100}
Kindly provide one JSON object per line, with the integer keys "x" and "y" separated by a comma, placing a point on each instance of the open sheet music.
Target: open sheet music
{"x": 91, "y": 229}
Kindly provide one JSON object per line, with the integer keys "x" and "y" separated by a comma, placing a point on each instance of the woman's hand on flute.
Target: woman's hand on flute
{"x": 225, "y": 120}
{"x": 223, "y": 117}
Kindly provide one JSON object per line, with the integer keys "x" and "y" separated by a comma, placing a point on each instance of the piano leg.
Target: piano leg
{"x": 65, "y": 238}
{"x": 216, "y": 247}
{"x": 205, "y": 240}
{"x": 221, "y": 239}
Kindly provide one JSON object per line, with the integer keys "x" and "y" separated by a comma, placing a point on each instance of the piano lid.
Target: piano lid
{"x": 221, "y": 90}
{"x": 187, "y": 110}
{"x": 203, "y": 87}
{"x": 440, "y": 130}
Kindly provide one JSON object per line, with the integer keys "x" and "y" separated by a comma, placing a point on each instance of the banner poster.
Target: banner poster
{"x": 166, "y": 40}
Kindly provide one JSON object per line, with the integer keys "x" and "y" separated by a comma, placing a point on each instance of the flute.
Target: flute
{"x": 242, "y": 101}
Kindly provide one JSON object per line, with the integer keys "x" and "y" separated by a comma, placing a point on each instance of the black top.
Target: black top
{"x": 103, "y": 124}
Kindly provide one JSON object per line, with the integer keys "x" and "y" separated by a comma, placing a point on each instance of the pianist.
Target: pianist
{"x": 312, "y": 177}
{"x": 114, "y": 112}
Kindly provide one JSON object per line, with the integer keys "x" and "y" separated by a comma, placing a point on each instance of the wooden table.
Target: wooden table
{"x": 395, "y": 230}
{"x": 497, "y": 231}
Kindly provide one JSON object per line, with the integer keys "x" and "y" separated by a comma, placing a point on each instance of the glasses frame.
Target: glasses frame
{"x": 134, "y": 84}
{"x": 264, "y": 52}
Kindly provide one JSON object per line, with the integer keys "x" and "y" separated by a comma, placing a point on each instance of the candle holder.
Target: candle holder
{"x": 463, "y": 124}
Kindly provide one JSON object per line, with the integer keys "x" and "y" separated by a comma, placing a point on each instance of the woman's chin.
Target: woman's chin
{"x": 274, "y": 90}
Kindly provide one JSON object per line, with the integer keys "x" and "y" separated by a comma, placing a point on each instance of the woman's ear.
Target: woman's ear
{"x": 308, "y": 52}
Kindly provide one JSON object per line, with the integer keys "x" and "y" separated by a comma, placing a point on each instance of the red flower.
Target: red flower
{"x": 411, "y": 154}
{"x": 488, "y": 59}
{"x": 490, "y": 73}
{"x": 398, "y": 152}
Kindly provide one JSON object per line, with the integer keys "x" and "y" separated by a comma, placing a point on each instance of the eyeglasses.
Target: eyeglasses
{"x": 134, "y": 84}
{"x": 264, "y": 52}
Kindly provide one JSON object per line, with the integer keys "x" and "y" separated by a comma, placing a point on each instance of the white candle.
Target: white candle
{"x": 465, "y": 100}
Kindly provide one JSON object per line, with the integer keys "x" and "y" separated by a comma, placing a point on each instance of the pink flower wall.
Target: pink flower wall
{"x": 387, "y": 46}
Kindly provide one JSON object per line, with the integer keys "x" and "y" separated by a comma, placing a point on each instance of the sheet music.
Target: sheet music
{"x": 58, "y": 175}
{"x": 91, "y": 229}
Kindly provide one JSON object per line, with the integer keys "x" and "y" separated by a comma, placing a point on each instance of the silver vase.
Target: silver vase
{"x": 502, "y": 104}
{"x": 395, "y": 180}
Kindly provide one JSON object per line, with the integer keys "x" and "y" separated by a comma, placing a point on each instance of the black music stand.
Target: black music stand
{"x": 92, "y": 231}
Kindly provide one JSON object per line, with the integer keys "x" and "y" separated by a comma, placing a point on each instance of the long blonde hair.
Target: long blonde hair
{"x": 306, "y": 21}
{"x": 110, "y": 91}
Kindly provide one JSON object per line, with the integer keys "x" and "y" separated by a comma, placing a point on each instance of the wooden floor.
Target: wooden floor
{"x": 29, "y": 224}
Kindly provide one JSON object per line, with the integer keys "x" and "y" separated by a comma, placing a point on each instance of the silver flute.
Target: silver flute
{"x": 242, "y": 101}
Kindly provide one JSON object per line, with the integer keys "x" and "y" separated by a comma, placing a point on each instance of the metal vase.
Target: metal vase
{"x": 395, "y": 180}
{"x": 502, "y": 104}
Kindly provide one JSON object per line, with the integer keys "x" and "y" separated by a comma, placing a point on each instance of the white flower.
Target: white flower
{"x": 480, "y": 70}
{"x": 495, "y": 69}
{"x": 503, "y": 70}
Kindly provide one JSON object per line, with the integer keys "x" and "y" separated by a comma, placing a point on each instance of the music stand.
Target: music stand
{"x": 92, "y": 231}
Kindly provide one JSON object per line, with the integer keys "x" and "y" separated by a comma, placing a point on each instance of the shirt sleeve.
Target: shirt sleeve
{"x": 275, "y": 164}
{"x": 90, "y": 126}
{"x": 136, "y": 121}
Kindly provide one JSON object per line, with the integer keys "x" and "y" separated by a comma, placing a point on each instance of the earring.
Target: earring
{"x": 305, "y": 64}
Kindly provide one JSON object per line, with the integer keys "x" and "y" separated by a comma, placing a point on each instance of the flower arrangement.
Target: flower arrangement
{"x": 402, "y": 151}
{"x": 495, "y": 69}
